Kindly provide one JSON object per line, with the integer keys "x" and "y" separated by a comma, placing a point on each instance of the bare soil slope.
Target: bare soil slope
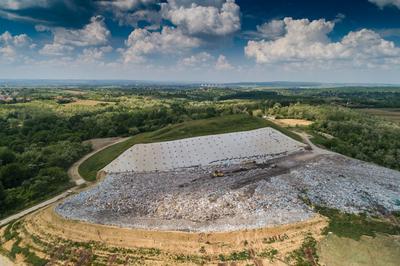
{"x": 54, "y": 233}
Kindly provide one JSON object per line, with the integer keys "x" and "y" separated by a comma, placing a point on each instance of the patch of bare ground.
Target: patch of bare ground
{"x": 87, "y": 103}
{"x": 75, "y": 92}
{"x": 8, "y": 245}
{"x": 381, "y": 250}
{"x": 5, "y": 248}
{"x": 100, "y": 143}
{"x": 4, "y": 261}
{"x": 100, "y": 243}
{"x": 292, "y": 122}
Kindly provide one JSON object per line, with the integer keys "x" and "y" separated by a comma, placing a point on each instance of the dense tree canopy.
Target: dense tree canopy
{"x": 14, "y": 174}
{"x": 2, "y": 197}
{"x": 6, "y": 156}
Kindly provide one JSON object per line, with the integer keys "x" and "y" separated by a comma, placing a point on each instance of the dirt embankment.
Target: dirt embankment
{"x": 4, "y": 261}
{"x": 49, "y": 226}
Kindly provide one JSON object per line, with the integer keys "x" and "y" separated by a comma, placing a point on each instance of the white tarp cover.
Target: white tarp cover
{"x": 259, "y": 145}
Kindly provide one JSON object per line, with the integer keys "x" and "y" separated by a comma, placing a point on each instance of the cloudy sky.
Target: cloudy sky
{"x": 208, "y": 40}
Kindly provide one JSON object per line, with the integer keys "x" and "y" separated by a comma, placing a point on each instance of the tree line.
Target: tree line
{"x": 356, "y": 134}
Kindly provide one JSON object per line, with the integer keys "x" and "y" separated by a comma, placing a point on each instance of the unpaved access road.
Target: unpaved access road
{"x": 97, "y": 145}
{"x": 34, "y": 208}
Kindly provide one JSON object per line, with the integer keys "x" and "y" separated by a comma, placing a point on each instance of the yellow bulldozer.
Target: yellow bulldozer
{"x": 217, "y": 173}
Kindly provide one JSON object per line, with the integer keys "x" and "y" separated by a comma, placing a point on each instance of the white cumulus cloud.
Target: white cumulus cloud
{"x": 223, "y": 63}
{"x": 17, "y": 40}
{"x": 142, "y": 42}
{"x": 130, "y": 12}
{"x": 383, "y": 3}
{"x": 65, "y": 40}
{"x": 126, "y": 4}
{"x": 188, "y": 3}
{"x": 11, "y": 46}
{"x": 272, "y": 30}
{"x": 308, "y": 42}
{"x": 90, "y": 55}
{"x": 94, "y": 33}
{"x": 203, "y": 19}
{"x": 197, "y": 60}
{"x": 21, "y": 4}
{"x": 55, "y": 49}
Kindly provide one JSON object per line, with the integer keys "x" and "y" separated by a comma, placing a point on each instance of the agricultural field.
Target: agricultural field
{"x": 390, "y": 114}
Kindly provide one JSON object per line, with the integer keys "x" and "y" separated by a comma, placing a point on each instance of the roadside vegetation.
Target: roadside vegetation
{"x": 306, "y": 255}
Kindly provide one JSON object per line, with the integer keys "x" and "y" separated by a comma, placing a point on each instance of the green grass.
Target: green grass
{"x": 30, "y": 257}
{"x": 11, "y": 232}
{"x": 269, "y": 253}
{"x": 218, "y": 125}
{"x": 354, "y": 226}
{"x": 235, "y": 256}
{"x": 318, "y": 140}
{"x": 306, "y": 255}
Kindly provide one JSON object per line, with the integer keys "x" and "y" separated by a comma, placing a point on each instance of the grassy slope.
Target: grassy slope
{"x": 218, "y": 125}
{"x": 354, "y": 226}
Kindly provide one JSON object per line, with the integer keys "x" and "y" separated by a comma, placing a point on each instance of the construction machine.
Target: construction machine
{"x": 217, "y": 173}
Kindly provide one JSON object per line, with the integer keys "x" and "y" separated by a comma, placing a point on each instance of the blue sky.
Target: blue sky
{"x": 208, "y": 40}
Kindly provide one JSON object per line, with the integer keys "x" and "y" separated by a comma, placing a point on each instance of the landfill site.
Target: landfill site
{"x": 228, "y": 182}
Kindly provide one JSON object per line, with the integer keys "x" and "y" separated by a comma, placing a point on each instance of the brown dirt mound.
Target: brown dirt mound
{"x": 53, "y": 229}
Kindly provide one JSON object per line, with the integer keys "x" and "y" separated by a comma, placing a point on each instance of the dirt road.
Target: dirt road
{"x": 316, "y": 150}
{"x": 34, "y": 208}
{"x": 97, "y": 145}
